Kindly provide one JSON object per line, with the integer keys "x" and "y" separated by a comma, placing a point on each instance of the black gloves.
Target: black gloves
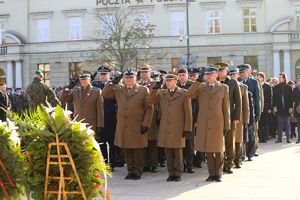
{"x": 186, "y": 133}
{"x": 117, "y": 79}
{"x": 143, "y": 129}
{"x": 157, "y": 85}
{"x": 99, "y": 131}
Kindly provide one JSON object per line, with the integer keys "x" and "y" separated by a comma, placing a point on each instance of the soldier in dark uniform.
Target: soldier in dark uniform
{"x": 188, "y": 150}
{"x": 151, "y": 152}
{"x": 38, "y": 93}
{"x": 19, "y": 102}
{"x": 107, "y": 137}
{"x": 235, "y": 99}
{"x": 4, "y": 102}
{"x": 253, "y": 87}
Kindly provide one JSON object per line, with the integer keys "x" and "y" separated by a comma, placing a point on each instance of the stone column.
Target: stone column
{"x": 276, "y": 63}
{"x": 287, "y": 64}
{"x": 18, "y": 74}
{"x": 9, "y": 74}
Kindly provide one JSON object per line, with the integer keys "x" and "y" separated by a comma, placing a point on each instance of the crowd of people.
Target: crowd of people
{"x": 216, "y": 114}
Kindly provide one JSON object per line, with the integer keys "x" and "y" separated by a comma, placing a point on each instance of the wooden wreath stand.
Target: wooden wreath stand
{"x": 61, "y": 160}
{"x": 3, "y": 183}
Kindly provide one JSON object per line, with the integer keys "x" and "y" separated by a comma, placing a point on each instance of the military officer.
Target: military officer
{"x": 253, "y": 87}
{"x": 4, "y": 102}
{"x": 39, "y": 93}
{"x": 151, "y": 152}
{"x": 188, "y": 150}
{"x": 235, "y": 113}
{"x": 88, "y": 103}
{"x": 107, "y": 137}
{"x": 233, "y": 72}
{"x": 176, "y": 123}
{"x": 213, "y": 120}
{"x": 134, "y": 117}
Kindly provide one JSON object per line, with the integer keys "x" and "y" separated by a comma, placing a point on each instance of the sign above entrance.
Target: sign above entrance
{"x": 133, "y": 2}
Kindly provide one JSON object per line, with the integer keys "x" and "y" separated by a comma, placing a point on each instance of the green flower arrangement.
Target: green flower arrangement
{"x": 12, "y": 159}
{"x": 37, "y": 129}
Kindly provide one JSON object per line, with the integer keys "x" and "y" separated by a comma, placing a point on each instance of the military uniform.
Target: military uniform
{"x": 88, "y": 105}
{"x": 38, "y": 93}
{"x": 235, "y": 113}
{"x": 107, "y": 136}
{"x": 4, "y": 104}
{"x": 176, "y": 117}
{"x": 188, "y": 150}
{"x": 240, "y": 127}
{"x": 151, "y": 152}
{"x": 213, "y": 119}
{"x": 133, "y": 112}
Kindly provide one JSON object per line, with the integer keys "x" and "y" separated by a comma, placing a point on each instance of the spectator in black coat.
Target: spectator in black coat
{"x": 283, "y": 106}
{"x": 296, "y": 98}
{"x": 264, "y": 122}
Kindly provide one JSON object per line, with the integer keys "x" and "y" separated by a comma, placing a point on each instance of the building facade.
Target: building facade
{"x": 57, "y": 36}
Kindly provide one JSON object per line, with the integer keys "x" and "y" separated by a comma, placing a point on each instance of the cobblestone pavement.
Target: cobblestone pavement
{"x": 274, "y": 174}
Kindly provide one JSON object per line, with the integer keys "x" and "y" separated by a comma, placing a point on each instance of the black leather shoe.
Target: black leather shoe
{"x": 129, "y": 176}
{"x": 146, "y": 169}
{"x": 288, "y": 141}
{"x": 176, "y": 178}
{"x": 256, "y": 154}
{"x": 277, "y": 141}
{"x": 249, "y": 159}
{"x": 210, "y": 179}
{"x": 227, "y": 170}
{"x": 218, "y": 178}
{"x": 153, "y": 169}
{"x": 162, "y": 165}
{"x": 136, "y": 177}
{"x": 170, "y": 178}
{"x": 238, "y": 166}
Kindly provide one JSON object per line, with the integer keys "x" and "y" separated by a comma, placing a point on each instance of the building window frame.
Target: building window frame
{"x": 42, "y": 30}
{"x": 250, "y": 20}
{"x": 75, "y": 27}
{"x": 253, "y": 61}
{"x": 214, "y": 22}
{"x": 177, "y": 23}
{"x": 213, "y": 60}
{"x": 75, "y": 68}
{"x": 45, "y": 68}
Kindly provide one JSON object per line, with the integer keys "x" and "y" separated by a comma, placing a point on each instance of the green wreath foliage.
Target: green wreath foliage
{"x": 10, "y": 154}
{"x": 37, "y": 129}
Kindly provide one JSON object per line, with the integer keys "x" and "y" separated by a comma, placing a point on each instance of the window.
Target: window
{"x": 297, "y": 18}
{"x": 106, "y": 26}
{"x": 141, "y": 20}
{"x": 43, "y": 30}
{"x": 175, "y": 64}
{"x": 1, "y": 32}
{"x": 74, "y": 28}
{"x": 177, "y": 23}
{"x": 45, "y": 68}
{"x": 249, "y": 20}
{"x": 213, "y": 60}
{"x": 74, "y": 69}
{"x": 214, "y": 21}
{"x": 253, "y": 61}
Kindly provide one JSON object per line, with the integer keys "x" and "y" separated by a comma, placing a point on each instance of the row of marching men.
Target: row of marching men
{"x": 210, "y": 112}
